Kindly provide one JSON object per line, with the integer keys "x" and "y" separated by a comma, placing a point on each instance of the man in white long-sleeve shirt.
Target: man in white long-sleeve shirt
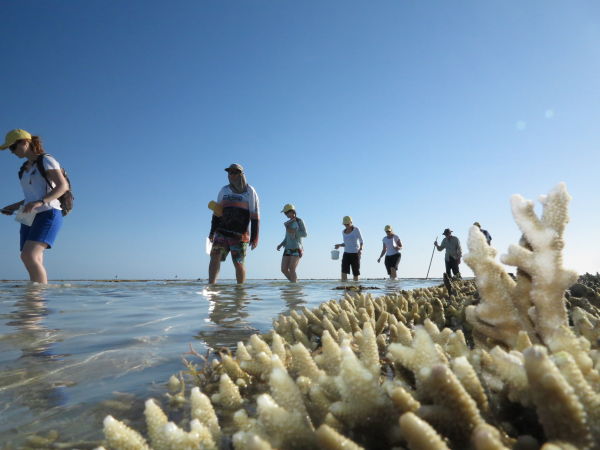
{"x": 453, "y": 252}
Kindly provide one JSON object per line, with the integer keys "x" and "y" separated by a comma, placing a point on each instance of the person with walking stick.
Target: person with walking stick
{"x": 453, "y": 252}
{"x": 431, "y": 260}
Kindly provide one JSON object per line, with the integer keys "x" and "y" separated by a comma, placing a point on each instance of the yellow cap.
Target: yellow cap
{"x": 388, "y": 228}
{"x": 13, "y": 136}
{"x": 288, "y": 207}
{"x": 347, "y": 220}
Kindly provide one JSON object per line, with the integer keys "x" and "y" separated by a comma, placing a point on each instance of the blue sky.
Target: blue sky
{"x": 418, "y": 114}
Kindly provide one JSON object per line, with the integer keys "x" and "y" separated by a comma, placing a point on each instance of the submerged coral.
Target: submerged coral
{"x": 492, "y": 364}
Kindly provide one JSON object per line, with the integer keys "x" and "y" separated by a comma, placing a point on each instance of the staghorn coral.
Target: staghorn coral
{"x": 494, "y": 364}
{"x": 535, "y": 303}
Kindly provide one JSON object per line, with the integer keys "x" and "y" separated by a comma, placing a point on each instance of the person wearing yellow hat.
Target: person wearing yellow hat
{"x": 353, "y": 247}
{"x": 391, "y": 248}
{"x": 235, "y": 210}
{"x": 40, "y": 199}
{"x": 295, "y": 230}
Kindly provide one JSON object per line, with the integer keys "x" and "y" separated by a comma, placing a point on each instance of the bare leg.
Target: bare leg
{"x": 285, "y": 266}
{"x": 293, "y": 262}
{"x": 393, "y": 273}
{"x": 240, "y": 272}
{"x": 344, "y": 276}
{"x": 213, "y": 268}
{"x": 355, "y": 277}
{"x": 33, "y": 258}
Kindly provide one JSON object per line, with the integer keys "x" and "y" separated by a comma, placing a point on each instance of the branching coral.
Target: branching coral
{"x": 495, "y": 368}
{"x": 535, "y": 303}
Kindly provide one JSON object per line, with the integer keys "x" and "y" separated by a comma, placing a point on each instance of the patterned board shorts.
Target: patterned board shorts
{"x": 293, "y": 252}
{"x": 222, "y": 245}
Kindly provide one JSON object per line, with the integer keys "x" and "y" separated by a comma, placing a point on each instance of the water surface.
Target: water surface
{"x": 70, "y": 353}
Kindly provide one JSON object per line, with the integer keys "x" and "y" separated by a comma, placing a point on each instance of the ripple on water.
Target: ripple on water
{"x": 73, "y": 352}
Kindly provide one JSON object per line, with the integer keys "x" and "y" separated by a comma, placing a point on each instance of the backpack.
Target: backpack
{"x": 66, "y": 200}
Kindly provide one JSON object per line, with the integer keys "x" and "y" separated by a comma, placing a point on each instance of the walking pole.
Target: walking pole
{"x": 432, "y": 252}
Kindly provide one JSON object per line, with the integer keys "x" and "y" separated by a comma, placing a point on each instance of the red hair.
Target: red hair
{"x": 37, "y": 147}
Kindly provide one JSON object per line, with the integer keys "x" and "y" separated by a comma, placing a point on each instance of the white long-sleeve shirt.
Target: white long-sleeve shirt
{"x": 352, "y": 240}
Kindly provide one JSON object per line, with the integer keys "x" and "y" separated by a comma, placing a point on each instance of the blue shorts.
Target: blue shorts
{"x": 44, "y": 228}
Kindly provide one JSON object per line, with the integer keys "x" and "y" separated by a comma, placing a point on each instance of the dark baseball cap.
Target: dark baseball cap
{"x": 234, "y": 167}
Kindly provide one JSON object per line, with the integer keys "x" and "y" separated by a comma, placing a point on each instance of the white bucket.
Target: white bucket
{"x": 335, "y": 254}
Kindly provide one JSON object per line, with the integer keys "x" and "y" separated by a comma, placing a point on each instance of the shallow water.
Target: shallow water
{"x": 73, "y": 352}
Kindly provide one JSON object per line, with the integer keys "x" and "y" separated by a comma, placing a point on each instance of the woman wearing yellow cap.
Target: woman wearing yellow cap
{"x": 292, "y": 242}
{"x": 41, "y": 197}
{"x": 353, "y": 247}
{"x": 391, "y": 249}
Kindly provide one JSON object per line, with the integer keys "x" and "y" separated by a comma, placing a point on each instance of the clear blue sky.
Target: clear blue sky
{"x": 418, "y": 114}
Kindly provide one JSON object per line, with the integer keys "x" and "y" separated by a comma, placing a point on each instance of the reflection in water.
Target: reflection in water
{"x": 125, "y": 337}
{"x": 27, "y": 380}
{"x": 226, "y": 323}
{"x": 293, "y": 295}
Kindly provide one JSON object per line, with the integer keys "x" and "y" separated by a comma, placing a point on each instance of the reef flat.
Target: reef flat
{"x": 498, "y": 362}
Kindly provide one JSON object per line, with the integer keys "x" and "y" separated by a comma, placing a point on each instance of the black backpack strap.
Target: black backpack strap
{"x": 40, "y": 165}
{"x": 39, "y": 162}
{"x": 22, "y": 169}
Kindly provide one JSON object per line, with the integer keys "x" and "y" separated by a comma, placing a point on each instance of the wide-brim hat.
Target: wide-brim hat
{"x": 13, "y": 136}
{"x": 447, "y": 231}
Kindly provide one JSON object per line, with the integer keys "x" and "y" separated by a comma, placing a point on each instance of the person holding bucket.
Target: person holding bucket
{"x": 40, "y": 212}
{"x": 353, "y": 247}
{"x": 391, "y": 248}
{"x": 292, "y": 243}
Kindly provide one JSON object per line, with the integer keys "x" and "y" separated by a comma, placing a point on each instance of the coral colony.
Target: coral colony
{"x": 499, "y": 363}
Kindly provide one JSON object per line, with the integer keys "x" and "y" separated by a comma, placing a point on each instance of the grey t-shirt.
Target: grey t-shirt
{"x": 452, "y": 246}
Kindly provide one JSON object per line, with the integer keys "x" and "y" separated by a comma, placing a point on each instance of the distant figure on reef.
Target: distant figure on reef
{"x": 391, "y": 248}
{"x": 353, "y": 247}
{"x": 453, "y": 252}
{"x": 41, "y": 211}
{"x": 488, "y": 236}
{"x": 292, "y": 243}
{"x": 229, "y": 231}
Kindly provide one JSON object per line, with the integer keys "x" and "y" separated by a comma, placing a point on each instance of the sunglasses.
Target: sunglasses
{"x": 13, "y": 147}
{"x": 234, "y": 172}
